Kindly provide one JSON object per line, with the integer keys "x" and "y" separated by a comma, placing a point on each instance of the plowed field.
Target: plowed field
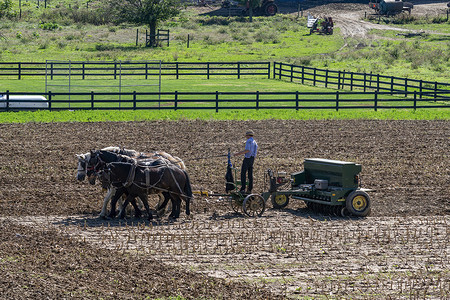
{"x": 53, "y": 244}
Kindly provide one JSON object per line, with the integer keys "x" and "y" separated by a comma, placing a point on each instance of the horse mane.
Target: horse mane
{"x": 118, "y": 150}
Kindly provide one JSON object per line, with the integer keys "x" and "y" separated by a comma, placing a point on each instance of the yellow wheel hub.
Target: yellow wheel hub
{"x": 359, "y": 202}
{"x": 280, "y": 199}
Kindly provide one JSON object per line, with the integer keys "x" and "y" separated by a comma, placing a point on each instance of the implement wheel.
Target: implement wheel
{"x": 358, "y": 203}
{"x": 254, "y": 205}
{"x": 236, "y": 203}
{"x": 279, "y": 200}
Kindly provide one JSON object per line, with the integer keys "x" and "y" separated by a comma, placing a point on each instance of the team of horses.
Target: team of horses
{"x": 131, "y": 174}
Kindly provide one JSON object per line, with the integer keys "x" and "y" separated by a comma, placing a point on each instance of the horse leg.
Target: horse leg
{"x": 119, "y": 193}
{"x": 161, "y": 207}
{"x": 109, "y": 194}
{"x": 178, "y": 209}
{"x": 137, "y": 210}
{"x": 122, "y": 212}
{"x": 144, "y": 199}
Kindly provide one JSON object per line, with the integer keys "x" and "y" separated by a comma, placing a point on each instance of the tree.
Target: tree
{"x": 6, "y": 9}
{"x": 145, "y": 12}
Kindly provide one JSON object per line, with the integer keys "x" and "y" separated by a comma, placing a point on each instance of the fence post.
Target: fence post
{"x": 268, "y": 70}
{"x": 378, "y": 82}
{"x": 420, "y": 89}
{"x": 326, "y": 78}
{"x": 257, "y": 99}
{"x": 92, "y": 99}
{"x": 7, "y": 100}
{"x": 376, "y": 100}
{"x": 415, "y": 99}
{"x": 146, "y": 71}
{"x": 337, "y": 100}
{"x": 115, "y": 70}
{"x": 296, "y": 100}
{"x": 303, "y": 75}
{"x": 176, "y": 67}
{"x": 406, "y": 87}
{"x": 365, "y": 82}
{"x": 280, "y": 70}
{"x": 49, "y": 100}
{"x": 370, "y": 80}
{"x": 20, "y": 70}
{"x": 274, "y": 67}
{"x": 351, "y": 81}
{"x": 339, "y": 80}
{"x": 134, "y": 100}
{"x": 176, "y": 100}
{"x": 239, "y": 70}
{"x": 314, "y": 77}
{"x": 51, "y": 71}
{"x": 207, "y": 70}
{"x": 435, "y": 90}
{"x": 292, "y": 72}
{"x": 217, "y": 101}
{"x": 83, "y": 71}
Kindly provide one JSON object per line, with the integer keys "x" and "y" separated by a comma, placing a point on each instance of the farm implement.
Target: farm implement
{"x": 252, "y": 205}
{"x": 328, "y": 186}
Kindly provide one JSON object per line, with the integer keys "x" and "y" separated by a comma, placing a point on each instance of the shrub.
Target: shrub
{"x": 49, "y": 26}
{"x": 6, "y": 10}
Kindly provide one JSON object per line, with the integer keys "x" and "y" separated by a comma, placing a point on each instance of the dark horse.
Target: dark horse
{"x": 154, "y": 177}
{"x": 97, "y": 162}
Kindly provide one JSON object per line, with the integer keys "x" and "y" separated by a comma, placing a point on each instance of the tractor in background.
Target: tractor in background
{"x": 390, "y": 7}
{"x": 322, "y": 26}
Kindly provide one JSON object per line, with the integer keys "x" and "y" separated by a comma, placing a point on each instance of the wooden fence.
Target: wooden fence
{"x": 229, "y": 100}
{"x": 84, "y": 70}
{"x": 351, "y": 80}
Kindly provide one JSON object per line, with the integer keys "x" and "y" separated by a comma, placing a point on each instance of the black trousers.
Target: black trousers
{"x": 247, "y": 167}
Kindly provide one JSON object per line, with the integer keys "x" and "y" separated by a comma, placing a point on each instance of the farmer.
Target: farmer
{"x": 251, "y": 147}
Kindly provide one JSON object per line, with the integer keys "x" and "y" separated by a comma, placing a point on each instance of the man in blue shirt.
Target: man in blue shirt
{"x": 251, "y": 148}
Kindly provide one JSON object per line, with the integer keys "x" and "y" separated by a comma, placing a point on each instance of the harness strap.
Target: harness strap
{"x": 147, "y": 176}
{"x": 131, "y": 175}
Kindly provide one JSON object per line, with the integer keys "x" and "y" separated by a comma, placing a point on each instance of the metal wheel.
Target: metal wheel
{"x": 236, "y": 203}
{"x": 280, "y": 201}
{"x": 358, "y": 203}
{"x": 254, "y": 205}
{"x": 271, "y": 9}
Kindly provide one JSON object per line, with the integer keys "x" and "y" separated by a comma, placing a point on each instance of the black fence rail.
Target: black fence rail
{"x": 351, "y": 80}
{"x": 223, "y": 100}
{"x": 83, "y": 70}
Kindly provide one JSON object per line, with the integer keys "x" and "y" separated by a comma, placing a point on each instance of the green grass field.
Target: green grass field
{"x": 60, "y": 32}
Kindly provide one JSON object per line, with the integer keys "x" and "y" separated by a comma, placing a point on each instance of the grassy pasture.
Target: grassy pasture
{"x": 59, "y": 32}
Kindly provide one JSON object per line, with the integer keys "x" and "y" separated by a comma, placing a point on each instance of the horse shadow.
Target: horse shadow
{"x": 95, "y": 222}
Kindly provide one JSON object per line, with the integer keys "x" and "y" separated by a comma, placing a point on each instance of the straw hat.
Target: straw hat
{"x": 250, "y": 133}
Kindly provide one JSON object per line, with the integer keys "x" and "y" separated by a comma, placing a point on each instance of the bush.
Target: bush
{"x": 49, "y": 26}
{"x": 6, "y": 10}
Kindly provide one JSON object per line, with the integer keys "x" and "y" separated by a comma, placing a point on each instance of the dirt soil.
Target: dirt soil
{"x": 52, "y": 235}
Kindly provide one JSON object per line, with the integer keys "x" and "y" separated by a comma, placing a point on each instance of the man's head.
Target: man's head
{"x": 249, "y": 134}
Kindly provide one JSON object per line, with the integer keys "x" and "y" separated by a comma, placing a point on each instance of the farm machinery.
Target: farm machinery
{"x": 322, "y": 26}
{"x": 390, "y": 7}
{"x": 264, "y": 7}
{"x": 329, "y": 186}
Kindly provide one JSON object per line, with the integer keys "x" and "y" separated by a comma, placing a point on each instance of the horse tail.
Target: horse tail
{"x": 188, "y": 192}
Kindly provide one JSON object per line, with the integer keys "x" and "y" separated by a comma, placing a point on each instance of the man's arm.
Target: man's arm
{"x": 241, "y": 152}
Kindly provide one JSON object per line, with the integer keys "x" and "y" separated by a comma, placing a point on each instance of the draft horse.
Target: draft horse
{"x": 154, "y": 177}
